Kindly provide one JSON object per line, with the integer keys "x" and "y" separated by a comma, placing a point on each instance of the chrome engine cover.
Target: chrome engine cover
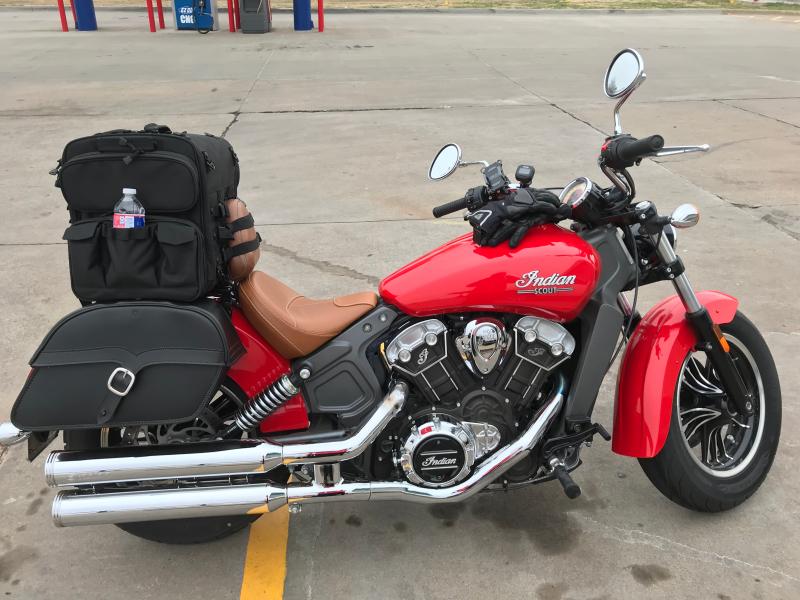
{"x": 483, "y": 344}
{"x": 419, "y": 347}
{"x": 439, "y": 453}
{"x": 543, "y": 343}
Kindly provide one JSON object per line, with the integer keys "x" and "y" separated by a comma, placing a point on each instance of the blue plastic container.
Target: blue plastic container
{"x": 189, "y": 15}
{"x": 302, "y": 15}
{"x": 84, "y": 15}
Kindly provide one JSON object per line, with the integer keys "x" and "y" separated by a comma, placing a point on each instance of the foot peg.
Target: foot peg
{"x": 602, "y": 431}
{"x": 571, "y": 489}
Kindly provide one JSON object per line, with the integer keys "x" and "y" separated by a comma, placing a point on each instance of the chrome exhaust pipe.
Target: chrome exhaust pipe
{"x": 74, "y": 508}
{"x": 86, "y": 508}
{"x": 212, "y": 459}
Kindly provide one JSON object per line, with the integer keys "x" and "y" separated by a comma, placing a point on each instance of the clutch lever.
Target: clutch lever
{"x": 675, "y": 150}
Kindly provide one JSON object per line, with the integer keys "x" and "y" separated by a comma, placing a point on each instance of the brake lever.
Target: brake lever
{"x": 675, "y": 150}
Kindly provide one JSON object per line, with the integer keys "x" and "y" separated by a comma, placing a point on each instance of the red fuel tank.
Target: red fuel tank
{"x": 551, "y": 274}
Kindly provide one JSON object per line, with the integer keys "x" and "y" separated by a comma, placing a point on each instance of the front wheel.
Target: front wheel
{"x": 712, "y": 460}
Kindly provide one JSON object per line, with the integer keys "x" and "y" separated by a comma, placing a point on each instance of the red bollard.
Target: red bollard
{"x": 74, "y": 14}
{"x": 236, "y": 16}
{"x": 150, "y": 16}
{"x": 62, "y": 12}
{"x": 321, "y": 15}
{"x": 231, "y": 19}
{"x": 160, "y": 14}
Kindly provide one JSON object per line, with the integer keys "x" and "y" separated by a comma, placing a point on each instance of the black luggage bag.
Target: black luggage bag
{"x": 128, "y": 363}
{"x": 182, "y": 180}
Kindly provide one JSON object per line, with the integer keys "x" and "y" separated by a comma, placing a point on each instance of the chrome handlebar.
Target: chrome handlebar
{"x": 675, "y": 150}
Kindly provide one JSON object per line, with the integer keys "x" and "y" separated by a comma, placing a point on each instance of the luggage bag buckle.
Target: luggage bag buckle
{"x": 125, "y": 373}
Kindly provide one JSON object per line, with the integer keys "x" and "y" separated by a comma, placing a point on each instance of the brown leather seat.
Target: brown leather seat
{"x": 293, "y": 324}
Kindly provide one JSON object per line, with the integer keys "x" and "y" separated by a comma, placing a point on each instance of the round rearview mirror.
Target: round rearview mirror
{"x": 624, "y": 74}
{"x": 446, "y": 161}
{"x": 686, "y": 215}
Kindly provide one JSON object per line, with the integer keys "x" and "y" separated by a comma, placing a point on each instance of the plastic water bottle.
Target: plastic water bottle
{"x": 129, "y": 212}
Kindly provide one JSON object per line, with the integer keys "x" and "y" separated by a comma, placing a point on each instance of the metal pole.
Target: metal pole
{"x": 62, "y": 12}
{"x": 150, "y": 16}
{"x": 160, "y": 14}
{"x": 231, "y": 21}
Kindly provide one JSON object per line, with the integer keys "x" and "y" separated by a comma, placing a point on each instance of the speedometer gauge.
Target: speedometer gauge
{"x": 575, "y": 193}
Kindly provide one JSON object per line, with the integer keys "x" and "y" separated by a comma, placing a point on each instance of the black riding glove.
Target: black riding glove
{"x": 510, "y": 217}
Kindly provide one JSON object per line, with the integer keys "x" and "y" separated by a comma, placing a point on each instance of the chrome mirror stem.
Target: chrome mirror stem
{"x": 617, "y": 119}
{"x": 468, "y": 163}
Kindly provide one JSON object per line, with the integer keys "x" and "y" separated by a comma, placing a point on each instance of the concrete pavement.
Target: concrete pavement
{"x": 335, "y": 132}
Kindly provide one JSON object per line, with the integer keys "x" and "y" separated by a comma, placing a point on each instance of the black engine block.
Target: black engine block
{"x": 482, "y": 369}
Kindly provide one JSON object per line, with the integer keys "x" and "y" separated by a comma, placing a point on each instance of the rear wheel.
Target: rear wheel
{"x": 713, "y": 460}
{"x": 219, "y": 413}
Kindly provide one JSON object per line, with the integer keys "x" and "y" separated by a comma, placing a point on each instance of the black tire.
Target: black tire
{"x": 680, "y": 475}
{"x": 175, "y": 531}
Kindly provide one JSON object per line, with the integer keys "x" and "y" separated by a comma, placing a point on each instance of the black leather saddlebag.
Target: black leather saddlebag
{"x": 126, "y": 364}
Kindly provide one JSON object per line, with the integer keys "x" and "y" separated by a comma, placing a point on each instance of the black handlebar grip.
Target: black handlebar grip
{"x": 633, "y": 151}
{"x": 450, "y": 207}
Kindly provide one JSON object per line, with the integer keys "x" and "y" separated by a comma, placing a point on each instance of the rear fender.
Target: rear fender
{"x": 650, "y": 369}
{"x": 260, "y": 367}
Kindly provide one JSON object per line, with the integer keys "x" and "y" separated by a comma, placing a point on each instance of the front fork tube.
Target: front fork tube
{"x": 711, "y": 339}
{"x": 632, "y": 317}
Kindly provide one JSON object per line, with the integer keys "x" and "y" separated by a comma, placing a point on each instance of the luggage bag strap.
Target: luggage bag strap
{"x": 242, "y": 248}
{"x": 122, "y": 378}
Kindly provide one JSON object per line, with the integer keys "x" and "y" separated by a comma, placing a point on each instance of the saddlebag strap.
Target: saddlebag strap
{"x": 123, "y": 376}
{"x": 119, "y": 384}
{"x": 242, "y": 223}
{"x": 242, "y": 248}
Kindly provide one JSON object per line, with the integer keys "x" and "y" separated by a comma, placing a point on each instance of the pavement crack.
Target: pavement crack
{"x": 313, "y": 111}
{"x": 233, "y": 120}
{"x": 577, "y": 118}
{"x": 777, "y": 224}
{"x": 238, "y": 111}
{"x": 12, "y": 244}
{"x": 760, "y": 114}
{"x": 322, "y": 265}
{"x": 533, "y": 93}
{"x": 637, "y": 536}
{"x": 361, "y": 221}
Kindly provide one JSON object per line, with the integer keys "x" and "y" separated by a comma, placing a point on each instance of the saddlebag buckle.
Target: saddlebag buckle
{"x": 113, "y": 386}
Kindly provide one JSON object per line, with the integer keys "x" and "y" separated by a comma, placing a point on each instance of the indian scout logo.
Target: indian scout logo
{"x": 532, "y": 283}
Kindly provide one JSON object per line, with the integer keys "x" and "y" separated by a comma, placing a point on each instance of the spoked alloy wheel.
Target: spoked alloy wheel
{"x": 721, "y": 444}
{"x": 219, "y": 413}
{"x": 713, "y": 458}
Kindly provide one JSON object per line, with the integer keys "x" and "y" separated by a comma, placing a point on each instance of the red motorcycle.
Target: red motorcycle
{"x": 475, "y": 368}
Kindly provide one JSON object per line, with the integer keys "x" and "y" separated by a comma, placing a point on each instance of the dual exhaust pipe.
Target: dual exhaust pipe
{"x": 86, "y": 506}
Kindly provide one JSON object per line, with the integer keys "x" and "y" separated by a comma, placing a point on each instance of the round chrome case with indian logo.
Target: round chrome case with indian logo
{"x": 438, "y": 453}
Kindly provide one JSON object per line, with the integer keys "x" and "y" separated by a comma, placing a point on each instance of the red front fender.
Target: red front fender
{"x": 650, "y": 370}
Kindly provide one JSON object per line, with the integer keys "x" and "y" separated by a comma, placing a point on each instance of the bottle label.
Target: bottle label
{"x": 127, "y": 221}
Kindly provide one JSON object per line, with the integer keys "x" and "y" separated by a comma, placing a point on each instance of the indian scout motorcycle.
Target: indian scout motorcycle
{"x": 476, "y": 367}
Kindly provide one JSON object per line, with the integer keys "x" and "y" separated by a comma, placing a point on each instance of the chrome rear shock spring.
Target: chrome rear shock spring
{"x": 265, "y": 403}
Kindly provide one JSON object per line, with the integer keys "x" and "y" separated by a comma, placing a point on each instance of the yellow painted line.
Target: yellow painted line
{"x": 265, "y": 565}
